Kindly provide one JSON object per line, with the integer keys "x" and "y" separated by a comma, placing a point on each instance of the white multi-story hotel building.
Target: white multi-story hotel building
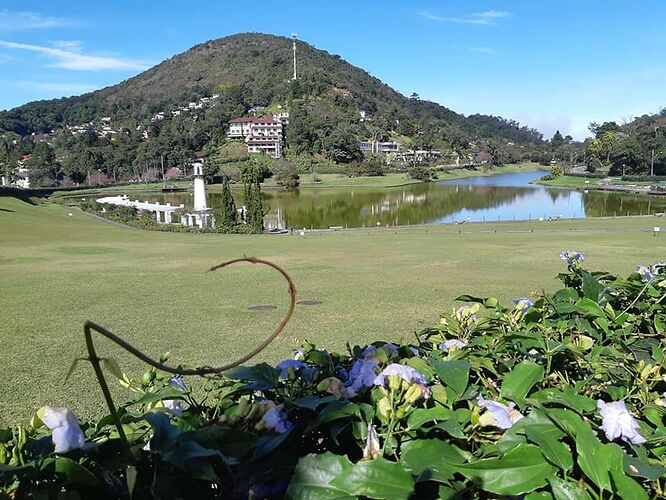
{"x": 262, "y": 135}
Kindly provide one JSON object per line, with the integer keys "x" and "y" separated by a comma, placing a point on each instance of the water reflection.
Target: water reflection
{"x": 501, "y": 197}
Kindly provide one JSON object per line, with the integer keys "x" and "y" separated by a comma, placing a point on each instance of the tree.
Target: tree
{"x": 227, "y": 214}
{"x": 254, "y": 206}
{"x": 557, "y": 140}
{"x": 286, "y": 175}
{"x": 43, "y": 164}
{"x": 341, "y": 146}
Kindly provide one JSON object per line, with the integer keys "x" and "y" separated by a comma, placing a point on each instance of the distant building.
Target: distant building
{"x": 282, "y": 117}
{"x": 418, "y": 155}
{"x": 262, "y": 135}
{"x": 376, "y": 147}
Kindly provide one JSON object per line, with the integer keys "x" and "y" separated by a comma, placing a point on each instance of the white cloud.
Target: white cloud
{"x": 485, "y": 18}
{"x": 72, "y": 45}
{"x": 59, "y": 88}
{"x": 19, "y": 21}
{"x": 75, "y": 60}
{"x": 480, "y": 50}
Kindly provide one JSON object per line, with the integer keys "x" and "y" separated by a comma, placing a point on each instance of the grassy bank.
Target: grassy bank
{"x": 153, "y": 289}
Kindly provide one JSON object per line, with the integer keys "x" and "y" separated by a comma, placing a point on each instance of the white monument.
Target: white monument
{"x": 200, "y": 203}
{"x": 200, "y": 215}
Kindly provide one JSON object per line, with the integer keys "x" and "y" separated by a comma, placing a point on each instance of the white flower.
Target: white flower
{"x": 617, "y": 422}
{"x": 175, "y": 406}
{"x": 65, "y": 431}
{"x": 372, "y": 448}
{"x": 452, "y": 345}
{"x": 502, "y": 416}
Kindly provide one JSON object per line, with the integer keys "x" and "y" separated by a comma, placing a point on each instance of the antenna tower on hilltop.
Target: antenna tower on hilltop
{"x": 293, "y": 41}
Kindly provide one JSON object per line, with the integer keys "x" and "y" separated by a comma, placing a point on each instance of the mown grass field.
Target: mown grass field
{"x": 153, "y": 288}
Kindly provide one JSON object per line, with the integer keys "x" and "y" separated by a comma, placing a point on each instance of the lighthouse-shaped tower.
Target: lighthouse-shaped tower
{"x": 200, "y": 203}
{"x": 200, "y": 215}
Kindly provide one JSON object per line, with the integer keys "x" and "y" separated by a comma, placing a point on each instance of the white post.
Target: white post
{"x": 167, "y": 217}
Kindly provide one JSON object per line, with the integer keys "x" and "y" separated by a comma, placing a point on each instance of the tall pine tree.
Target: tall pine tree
{"x": 228, "y": 214}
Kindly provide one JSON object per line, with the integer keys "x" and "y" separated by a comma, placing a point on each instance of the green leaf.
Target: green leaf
{"x": 335, "y": 411}
{"x": 592, "y": 289}
{"x": 424, "y": 415}
{"x": 75, "y": 472}
{"x": 589, "y": 307}
{"x": 113, "y": 368}
{"x": 376, "y": 479}
{"x": 566, "y": 490}
{"x": 151, "y": 397}
{"x": 518, "y": 382}
{"x": 455, "y": 374}
{"x": 569, "y": 397}
{"x": 312, "y": 402}
{"x": 625, "y": 487}
{"x": 556, "y": 452}
{"x": 430, "y": 459}
{"x": 639, "y": 468}
{"x": 72, "y": 367}
{"x": 261, "y": 377}
{"x": 313, "y": 475}
{"x": 519, "y": 471}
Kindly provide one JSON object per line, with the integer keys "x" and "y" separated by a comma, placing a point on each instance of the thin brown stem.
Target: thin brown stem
{"x": 202, "y": 371}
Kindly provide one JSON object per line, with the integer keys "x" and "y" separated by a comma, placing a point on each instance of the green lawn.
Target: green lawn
{"x": 570, "y": 181}
{"x": 153, "y": 289}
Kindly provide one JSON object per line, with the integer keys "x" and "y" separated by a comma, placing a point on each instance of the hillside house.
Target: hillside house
{"x": 377, "y": 147}
{"x": 262, "y": 135}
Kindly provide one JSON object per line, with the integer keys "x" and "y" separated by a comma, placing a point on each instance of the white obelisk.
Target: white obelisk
{"x": 200, "y": 203}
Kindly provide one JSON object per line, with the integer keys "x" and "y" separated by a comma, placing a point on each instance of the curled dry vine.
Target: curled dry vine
{"x": 201, "y": 371}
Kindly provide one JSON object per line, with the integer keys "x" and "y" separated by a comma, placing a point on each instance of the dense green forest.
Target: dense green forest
{"x": 244, "y": 72}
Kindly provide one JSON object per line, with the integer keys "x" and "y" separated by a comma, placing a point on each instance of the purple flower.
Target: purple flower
{"x": 362, "y": 374}
{"x": 502, "y": 416}
{"x": 298, "y": 354}
{"x": 523, "y": 304}
{"x": 645, "y": 273}
{"x": 571, "y": 257}
{"x": 405, "y": 372}
{"x": 294, "y": 364}
{"x": 342, "y": 372}
{"x": 452, "y": 345}
{"x": 275, "y": 419}
{"x": 65, "y": 431}
{"x": 178, "y": 382}
{"x": 617, "y": 422}
{"x": 174, "y": 406}
{"x": 370, "y": 351}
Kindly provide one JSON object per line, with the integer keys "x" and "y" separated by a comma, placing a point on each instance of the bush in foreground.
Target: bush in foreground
{"x": 554, "y": 396}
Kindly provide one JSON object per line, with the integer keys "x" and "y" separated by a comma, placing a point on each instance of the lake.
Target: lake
{"x": 494, "y": 198}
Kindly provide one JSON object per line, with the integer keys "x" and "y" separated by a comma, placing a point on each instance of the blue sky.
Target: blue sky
{"x": 549, "y": 64}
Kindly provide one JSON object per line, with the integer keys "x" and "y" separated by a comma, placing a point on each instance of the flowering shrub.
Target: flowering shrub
{"x": 555, "y": 396}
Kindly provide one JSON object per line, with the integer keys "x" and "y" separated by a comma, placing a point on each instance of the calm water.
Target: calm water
{"x": 500, "y": 197}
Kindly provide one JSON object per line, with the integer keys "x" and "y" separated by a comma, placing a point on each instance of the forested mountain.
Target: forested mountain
{"x": 247, "y": 71}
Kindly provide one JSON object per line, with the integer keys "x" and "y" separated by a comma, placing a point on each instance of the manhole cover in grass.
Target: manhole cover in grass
{"x": 261, "y": 308}
{"x": 309, "y": 302}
